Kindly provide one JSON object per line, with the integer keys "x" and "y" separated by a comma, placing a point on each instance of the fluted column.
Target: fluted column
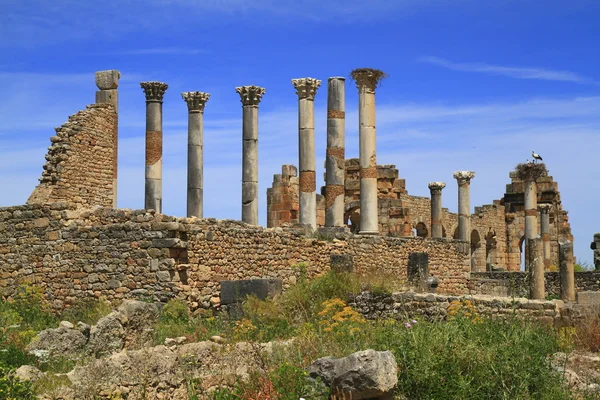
{"x": 196, "y": 101}
{"x": 306, "y": 89}
{"x": 545, "y": 232}
{"x": 436, "y": 208}
{"x": 464, "y": 204}
{"x": 154, "y": 92}
{"x": 335, "y": 158}
{"x": 250, "y": 98}
{"x": 108, "y": 83}
{"x": 366, "y": 82}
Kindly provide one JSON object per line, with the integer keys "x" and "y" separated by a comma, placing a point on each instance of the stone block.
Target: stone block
{"x": 418, "y": 270}
{"x": 169, "y": 243}
{"x": 106, "y": 80}
{"x": 588, "y": 298}
{"x": 237, "y": 291}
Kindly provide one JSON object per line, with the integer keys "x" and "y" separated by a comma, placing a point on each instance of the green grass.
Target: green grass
{"x": 466, "y": 357}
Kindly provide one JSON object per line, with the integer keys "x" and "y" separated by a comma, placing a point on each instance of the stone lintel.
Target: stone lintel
{"x": 195, "y": 100}
{"x": 250, "y": 95}
{"x": 154, "y": 90}
{"x": 306, "y": 88}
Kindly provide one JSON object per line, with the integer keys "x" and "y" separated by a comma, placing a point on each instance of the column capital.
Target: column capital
{"x": 464, "y": 177}
{"x": 306, "y": 88}
{"x": 436, "y": 187}
{"x": 367, "y": 79}
{"x": 250, "y": 95}
{"x": 195, "y": 100}
{"x": 107, "y": 80}
{"x": 154, "y": 90}
{"x": 545, "y": 208}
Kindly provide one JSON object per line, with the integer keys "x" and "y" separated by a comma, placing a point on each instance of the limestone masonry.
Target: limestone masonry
{"x": 71, "y": 239}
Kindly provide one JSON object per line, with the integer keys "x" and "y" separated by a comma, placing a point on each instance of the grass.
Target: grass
{"x": 466, "y": 356}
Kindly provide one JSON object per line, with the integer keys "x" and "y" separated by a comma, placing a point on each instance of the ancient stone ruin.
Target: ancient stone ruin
{"x": 71, "y": 240}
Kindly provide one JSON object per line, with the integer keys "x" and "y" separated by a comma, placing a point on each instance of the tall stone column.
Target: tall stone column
{"x": 436, "y": 208}
{"x": 108, "y": 82}
{"x": 154, "y": 92}
{"x": 366, "y": 82}
{"x": 306, "y": 89}
{"x": 537, "y": 282}
{"x": 250, "y": 98}
{"x": 464, "y": 204}
{"x": 567, "y": 271}
{"x": 530, "y": 210}
{"x": 335, "y": 161}
{"x": 196, "y": 101}
{"x": 545, "y": 233}
{"x": 531, "y": 228}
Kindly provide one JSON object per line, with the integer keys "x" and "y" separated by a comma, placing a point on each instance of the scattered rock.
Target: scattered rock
{"x": 218, "y": 339}
{"x": 58, "y": 342}
{"x": 365, "y": 374}
{"x": 29, "y": 373}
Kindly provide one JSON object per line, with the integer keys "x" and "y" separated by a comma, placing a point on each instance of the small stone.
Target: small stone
{"x": 218, "y": 339}
{"x": 66, "y": 325}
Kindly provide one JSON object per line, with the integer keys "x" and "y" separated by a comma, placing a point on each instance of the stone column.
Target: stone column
{"x": 531, "y": 228}
{"x": 567, "y": 272}
{"x": 154, "y": 92}
{"x": 306, "y": 89}
{"x": 108, "y": 82}
{"x": 335, "y": 158}
{"x": 545, "y": 233}
{"x": 464, "y": 204}
{"x": 366, "y": 82}
{"x": 436, "y": 208}
{"x": 250, "y": 98}
{"x": 595, "y": 246}
{"x": 195, "y": 103}
{"x": 537, "y": 282}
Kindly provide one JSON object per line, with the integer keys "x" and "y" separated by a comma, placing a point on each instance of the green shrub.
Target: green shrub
{"x": 88, "y": 311}
{"x": 12, "y": 388}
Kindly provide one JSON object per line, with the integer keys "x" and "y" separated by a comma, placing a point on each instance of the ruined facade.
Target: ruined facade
{"x": 71, "y": 240}
{"x": 497, "y": 230}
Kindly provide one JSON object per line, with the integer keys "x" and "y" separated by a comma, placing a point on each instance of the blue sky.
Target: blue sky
{"x": 472, "y": 85}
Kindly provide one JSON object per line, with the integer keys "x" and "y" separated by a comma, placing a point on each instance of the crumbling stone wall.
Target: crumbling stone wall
{"x": 434, "y": 307}
{"x": 80, "y": 166}
{"x": 497, "y": 229}
{"x": 517, "y": 283}
{"x": 283, "y": 203}
{"x": 513, "y": 201}
{"x": 73, "y": 253}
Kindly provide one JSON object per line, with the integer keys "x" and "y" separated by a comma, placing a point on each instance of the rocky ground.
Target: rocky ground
{"x": 115, "y": 359}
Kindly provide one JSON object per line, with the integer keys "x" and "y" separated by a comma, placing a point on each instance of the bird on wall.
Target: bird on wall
{"x": 535, "y": 156}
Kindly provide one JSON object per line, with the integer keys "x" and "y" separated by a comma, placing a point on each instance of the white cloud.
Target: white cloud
{"x": 513, "y": 72}
{"x": 30, "y": 22}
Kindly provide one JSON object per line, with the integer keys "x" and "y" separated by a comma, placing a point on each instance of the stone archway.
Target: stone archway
{"x": 421, "y": 230}
{"x": 490, "y": 250}
{"x": 477, "y": 254}
{"x": 352, "y": 216}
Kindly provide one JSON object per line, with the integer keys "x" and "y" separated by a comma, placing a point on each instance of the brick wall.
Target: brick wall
{"x": 75, "y": 253}
{"x": 80, "y": 165}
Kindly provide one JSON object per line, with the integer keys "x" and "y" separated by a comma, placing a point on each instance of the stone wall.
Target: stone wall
{"x": 408, "y": 305}
{"x": 80, "y": 166}
{"x": 517, "y": 283}
{"x": 73, "y": 253}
